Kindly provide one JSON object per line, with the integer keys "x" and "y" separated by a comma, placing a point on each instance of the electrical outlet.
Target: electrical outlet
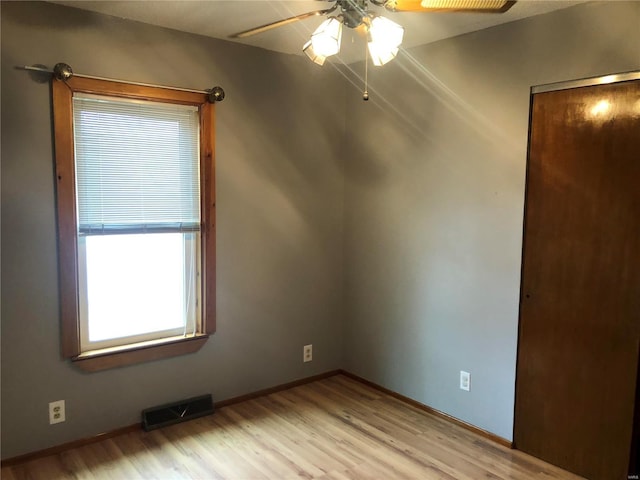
{"x": 465, "y": 380}
{"x": 307, "y": 353}
{"x": 56, "y": 412}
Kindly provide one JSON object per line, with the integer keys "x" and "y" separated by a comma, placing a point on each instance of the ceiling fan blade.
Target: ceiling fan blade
{"x": 479, "y": 6}
{"x": 280, "y": 23}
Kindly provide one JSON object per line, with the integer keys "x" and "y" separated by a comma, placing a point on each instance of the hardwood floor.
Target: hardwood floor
{"x": 331, "y": 429}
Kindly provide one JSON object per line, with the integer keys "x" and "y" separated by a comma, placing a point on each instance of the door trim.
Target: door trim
{"x": 586, "y": 82}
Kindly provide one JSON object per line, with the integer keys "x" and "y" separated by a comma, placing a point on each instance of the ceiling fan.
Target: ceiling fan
{"x": 384, "y": 35}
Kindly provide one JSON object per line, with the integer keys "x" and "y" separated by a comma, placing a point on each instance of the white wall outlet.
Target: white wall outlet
{"x": 307, "y": 353}
{"x": 465, "y": 380}
{"x": 56, "y": 412}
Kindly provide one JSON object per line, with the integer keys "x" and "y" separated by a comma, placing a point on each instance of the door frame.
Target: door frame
{"x": 585, "y": 82}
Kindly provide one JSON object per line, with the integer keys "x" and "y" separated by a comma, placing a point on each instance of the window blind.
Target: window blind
{"x": 137, "y": 165}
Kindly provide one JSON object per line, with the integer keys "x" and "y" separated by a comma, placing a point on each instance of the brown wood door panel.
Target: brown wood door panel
{"x": 580, "y": 304}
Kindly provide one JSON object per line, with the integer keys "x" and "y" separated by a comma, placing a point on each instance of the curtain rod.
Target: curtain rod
{"x": 62, "y": 71}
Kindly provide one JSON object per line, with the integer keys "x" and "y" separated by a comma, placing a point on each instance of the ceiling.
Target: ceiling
{"x": 221, "y": 18}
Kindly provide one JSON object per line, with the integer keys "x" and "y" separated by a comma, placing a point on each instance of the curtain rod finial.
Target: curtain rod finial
{"x": 62, "y": 71}
{"x": 216, "y": 94}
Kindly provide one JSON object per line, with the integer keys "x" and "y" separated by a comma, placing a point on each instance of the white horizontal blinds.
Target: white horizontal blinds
{"x": 137, "y": 166}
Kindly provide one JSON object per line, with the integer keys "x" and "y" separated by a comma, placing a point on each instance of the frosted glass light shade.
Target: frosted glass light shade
{"x": 386, "y": 33}
{"x": 311, "y": 53}
{"x": 327, "y": 37}
{"x": 385, "y": 38}
{"x": 380, "y": 54}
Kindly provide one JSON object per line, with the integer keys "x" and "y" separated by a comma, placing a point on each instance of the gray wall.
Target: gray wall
{"x": 434, "y": 203}
{"x": 386, "y": 233}
{"x": 280, "y": 198}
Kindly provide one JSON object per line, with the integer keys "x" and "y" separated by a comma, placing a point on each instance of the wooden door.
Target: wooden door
{"x": 580, "y": 298}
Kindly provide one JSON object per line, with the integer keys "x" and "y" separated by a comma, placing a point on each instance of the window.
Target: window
{"x": 136, "y": 216}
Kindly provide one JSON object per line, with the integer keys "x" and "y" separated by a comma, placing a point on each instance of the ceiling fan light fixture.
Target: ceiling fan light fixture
{"x": 311, "y": 53}
{"x": 385, "y": 33}
{"x": 327, "y": 37}
{"x": 380, "y": 54}
{"x": 385, "y": 37}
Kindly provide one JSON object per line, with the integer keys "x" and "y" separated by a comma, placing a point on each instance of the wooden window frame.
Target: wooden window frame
{"x": 63, "y": 92}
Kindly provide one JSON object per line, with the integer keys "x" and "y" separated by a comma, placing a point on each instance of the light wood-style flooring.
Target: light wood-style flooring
{"x": 336, "y": 428}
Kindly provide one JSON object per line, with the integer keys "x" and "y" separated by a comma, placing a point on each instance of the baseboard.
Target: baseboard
{"x": 437, "y": 413}
{"x": 10, "y": 462}
{"x": 137, "y": 426}
{"x": 277, "y": 388}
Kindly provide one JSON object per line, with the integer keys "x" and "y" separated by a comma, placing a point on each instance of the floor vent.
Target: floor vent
{"x": 177, "y": 412}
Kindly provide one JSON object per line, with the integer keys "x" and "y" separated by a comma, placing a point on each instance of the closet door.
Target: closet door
{"x": 580, "y": 298}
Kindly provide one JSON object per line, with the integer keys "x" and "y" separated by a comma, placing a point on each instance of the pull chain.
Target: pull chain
{"x": 365, "y": 95}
